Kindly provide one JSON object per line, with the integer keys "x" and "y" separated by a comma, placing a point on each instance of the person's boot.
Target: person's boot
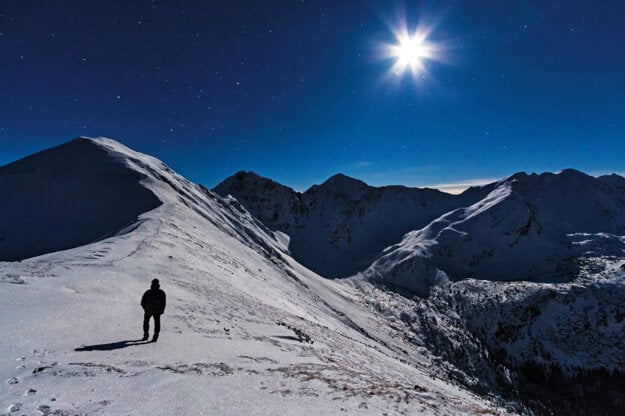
{"x": 145, "y": 337}
{"x": 155, "y": 338}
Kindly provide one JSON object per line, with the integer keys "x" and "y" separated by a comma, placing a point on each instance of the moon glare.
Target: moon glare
{"x": 409, "y": 53}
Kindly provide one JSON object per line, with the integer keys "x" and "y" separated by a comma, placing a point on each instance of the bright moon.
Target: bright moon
{"x": 412, "y": 50}
{"x": 409, "y": 52}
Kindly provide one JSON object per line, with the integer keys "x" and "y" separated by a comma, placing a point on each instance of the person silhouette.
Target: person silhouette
{"x": 153, "y": 304}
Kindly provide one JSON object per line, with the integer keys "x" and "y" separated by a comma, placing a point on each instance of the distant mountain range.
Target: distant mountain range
{"x": 524, "y": 227}
{"x": 340, "y": 227}
{"x": 556, "y": 328}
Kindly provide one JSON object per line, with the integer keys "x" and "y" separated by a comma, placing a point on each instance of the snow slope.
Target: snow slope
{"x": 236, "y": 333}
{"x": 515, "y": 290}
{"x": 558, "y": 347}
{"x": 339, "y": 228}
{"x": 521, "y": 292}
{"x": 529, "y": 227}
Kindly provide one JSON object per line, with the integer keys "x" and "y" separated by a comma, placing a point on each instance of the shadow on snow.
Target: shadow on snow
{"x": 112, "y": 345}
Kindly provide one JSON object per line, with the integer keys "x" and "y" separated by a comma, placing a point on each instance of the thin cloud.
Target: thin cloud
{"x": 459, "y": 187}
{"x": 597, "y": 173}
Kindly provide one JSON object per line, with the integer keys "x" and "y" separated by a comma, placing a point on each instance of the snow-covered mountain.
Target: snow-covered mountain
{"x": 518, "y": 283}
{"x": 247, "y": 329}
{"x": 338, "y": 228}
{"x": 529, "y": 227}
{"x": 66, "y": 197}
{"x": 507, "y": 298}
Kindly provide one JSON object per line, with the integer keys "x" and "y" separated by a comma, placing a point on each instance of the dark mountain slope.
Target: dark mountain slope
{"x": 66, "y": 197}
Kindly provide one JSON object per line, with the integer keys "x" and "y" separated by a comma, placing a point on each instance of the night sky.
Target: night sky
{"x": 300, "y": 90}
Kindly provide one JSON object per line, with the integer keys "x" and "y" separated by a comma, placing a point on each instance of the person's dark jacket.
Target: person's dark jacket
{"x": 153, "y": 301}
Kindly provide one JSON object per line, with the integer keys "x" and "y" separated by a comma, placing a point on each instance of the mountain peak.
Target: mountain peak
{"x": 68, "y": 196}
{"x": 248, "y": 183}
{"x": 573, "y": 175}
{"x": 341, "y": 183}
{"x": 565, "y": 176}
{"x": 340, "y": 177}
{"x": 93, "y": 140}
{"x": 614, "y": 180}
{"x": 247, "y": 174}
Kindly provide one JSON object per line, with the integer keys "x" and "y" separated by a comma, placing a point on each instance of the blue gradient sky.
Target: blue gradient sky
{"x": 296, "y": 90}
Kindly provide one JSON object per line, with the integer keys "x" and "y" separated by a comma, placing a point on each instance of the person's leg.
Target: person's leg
{"x": 157, "y": 325}
{"x": 146, "y": 325}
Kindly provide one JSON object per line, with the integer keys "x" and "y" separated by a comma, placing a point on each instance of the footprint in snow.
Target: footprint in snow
{"x": 12, "y": 380}
{"x": 15, "y": 407}
{"x": 41, "y": 353}
{"x": 30, "y": 392}
{"x": 13, "y": 278}
{"x": 45, "y": 409}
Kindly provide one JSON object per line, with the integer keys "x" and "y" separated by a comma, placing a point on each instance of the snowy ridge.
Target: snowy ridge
{"x": 525, "y": 229}
{"x": 347, "y": 222}
{"x": 401, "y": 264}
{"x": 247, "y": 329}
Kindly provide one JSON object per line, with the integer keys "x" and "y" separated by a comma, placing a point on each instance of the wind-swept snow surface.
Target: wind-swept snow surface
{"x": 247, "y": 329}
